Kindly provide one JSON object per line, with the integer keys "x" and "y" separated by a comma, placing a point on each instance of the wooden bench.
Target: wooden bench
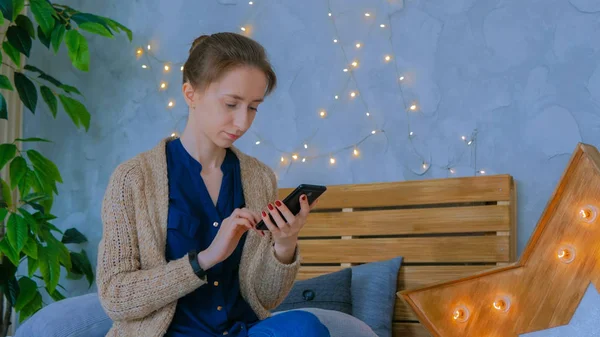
{"x": 444, "y": 229}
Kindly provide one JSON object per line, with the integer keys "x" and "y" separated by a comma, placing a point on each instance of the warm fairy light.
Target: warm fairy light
{"x": 282, "y": 159}
{"x": 167, "y": 67}
{"x": 352, "y": 94}
{"x": 566, "y": 253}
{"x": 243, "y": 29}
{"x": 373, "y": 132}
{"x": 387, "y": 58}
{"x": 332, "y": 160}
{"x": 401, "y": 78}
{"x": 139, "y": 51}
{"x": 470, "y": 142}
{"x": 460, "y": 314}
{"x": 251, "y": 3}
{"x": 367, "y": 14}
{"x": 149, "y": 47}
{"x": 163, "y": 85}
{"x": 345, "y": 70}
{"x": 413, "y": 107}
{"x": 322, "y": 113}
{"x": 355, "y": 64}
{"x": 502, "y": 303}
{"x": 425, "y": 166}
{"x": 144, "y": 66}
{"x": 303, "y": 160}
{"x": 295, "y": 156}
{"x": 411, "y": 133}
{"x": 358, "y": 45}
{"x": 336, "y": 97}
{"x": 181, "y": 68}
{"x": 257, "y": 142}
{"x": 452, "y": 171}
{"x": 174, "y": 134}
{"x": 368, "y": 114}
{"x": 482, "y": 172}
{"x": 171, "y": 104}
{"x": 335, "y": 40}
{"x": 355, "y": 152}
{"x": 464, "y": 138}
{"x": 588, "y": 213}
{"x": 382, "y": 25}
{"x": 329, "y": 14}
{"x": 305, "y": 146}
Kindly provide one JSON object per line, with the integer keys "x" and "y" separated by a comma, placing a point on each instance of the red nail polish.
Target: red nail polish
{"x": 278, "y": 203}
{"x": 271, "y": 207}
{"x": 264, "y": 214}
{"x": 303, "y": 197}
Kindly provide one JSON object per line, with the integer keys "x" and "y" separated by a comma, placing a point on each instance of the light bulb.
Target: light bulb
{"x": 460, "y": 314}
{"x": 139, "y": 51}
{"x": 163, "y": 85}
{"x": 387, "y": 58}
{"x": 167, "y": 67}
{"x": 470, "y": 142}
{"x": 358, "y": 45}
{"x": 482, "y": 172}
{"x": 282, "y": 159}
{"x": 368, "y": 114}
{"x": 401, "y": 78}
{"x": 258, "y": 142}
{"x": 452, "y": 171}
{"x": 588, "y": 213}
{"x": 353, "y": 94}
{"x": 250, "y": 3}
{"x": 149, "y": 47}
{"x": 501, "y": 303}
{"x": 424, "y": 166}
{"x": 243, "y": 29}
{"x": 335, "y": 40}
{"x": 306, "y": 146}
{"x": 566, "y": 253}
{"x": 367, "y": 14}
{"x": 174, "y": 134}
{"x": 181, "y": 68}
{"x": 464, "y": 138}
{"x": 413, "y": 107}
{"x": 355, "y": 64}
{"x": 332, "y": 160}
{"x": 171, "y": 104}
{"x": 303, "y": 160}
{"x": 345, "y": 70}
{"x": 336, "y": 97}
{"x": 411, "y": 133}
{"x": 144, "y": 66}
{"x": 382, "y": 25}
{"x": 295, "y": 156}
{"x": 355, "y": 152}
{"x": 373, "y": 132}
{"x": 323, "y": 114}
{"x": 329, "y": 14}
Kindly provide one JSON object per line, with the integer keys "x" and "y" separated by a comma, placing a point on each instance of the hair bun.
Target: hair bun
{"x": 198, "y": 41}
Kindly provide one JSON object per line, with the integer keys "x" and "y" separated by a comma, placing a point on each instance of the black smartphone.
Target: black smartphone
{"x": 292, "y": 201}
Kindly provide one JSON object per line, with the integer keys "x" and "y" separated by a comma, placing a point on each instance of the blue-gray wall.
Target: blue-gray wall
{"x": 524, "y": 74}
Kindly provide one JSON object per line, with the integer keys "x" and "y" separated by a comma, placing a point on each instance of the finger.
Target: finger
{"x": 283, "y": 226}
{"x": 246, "y": 214}
{"x": 265, "y": 217}
{"x": 287, "y": 214}
{"x": 242, "y": 222}
{"x": 304, "y": 207}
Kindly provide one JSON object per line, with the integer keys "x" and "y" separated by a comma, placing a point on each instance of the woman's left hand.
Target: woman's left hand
{"x": 285, "y": 229}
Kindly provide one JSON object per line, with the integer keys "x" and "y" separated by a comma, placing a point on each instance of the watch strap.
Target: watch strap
{"x": 193, "y": 256}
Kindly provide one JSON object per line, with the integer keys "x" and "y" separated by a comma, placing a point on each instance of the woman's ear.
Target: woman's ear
{"x": 188, "y": 94}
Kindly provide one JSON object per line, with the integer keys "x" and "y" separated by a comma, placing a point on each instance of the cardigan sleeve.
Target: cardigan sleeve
{"x": 275, "y": 279}
{"x": 126, "y": 291}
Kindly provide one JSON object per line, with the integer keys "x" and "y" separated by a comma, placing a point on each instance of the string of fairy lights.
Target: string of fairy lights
{"x": 147, "y": 57}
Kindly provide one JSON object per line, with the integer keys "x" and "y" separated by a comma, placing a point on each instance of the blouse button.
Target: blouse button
{"x": 216, "y": 283}
{"x": 215, "y": 224}
{"x": 225, "y": 333}
{"x": 219, "y": 308}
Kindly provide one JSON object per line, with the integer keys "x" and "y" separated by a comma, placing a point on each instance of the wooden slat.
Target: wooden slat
{"x": 419, "y": 192}
{"x": 409, "y": 330}
{"x": 490, "y": 218}
{"x": 414, "y": 250}
{"x": 411, "y": 277}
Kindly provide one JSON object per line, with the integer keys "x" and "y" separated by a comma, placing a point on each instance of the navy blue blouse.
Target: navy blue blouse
{"x": 216, "y": 308}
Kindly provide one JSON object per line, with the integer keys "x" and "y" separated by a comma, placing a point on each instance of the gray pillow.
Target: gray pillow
{"x": 330, "y": 291}
{"x": 340, "y": 324}
{"x": 374, "y": 294}
{"x": 80, "y": 316}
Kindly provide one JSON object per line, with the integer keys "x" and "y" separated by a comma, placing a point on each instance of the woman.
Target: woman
{"x": 180, "y": 254}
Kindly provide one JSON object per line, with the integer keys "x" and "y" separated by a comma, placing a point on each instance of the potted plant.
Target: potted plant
{"x": 27, "y": 233}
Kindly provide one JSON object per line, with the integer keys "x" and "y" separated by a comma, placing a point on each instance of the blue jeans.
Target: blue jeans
{"x": 293, "y": 323}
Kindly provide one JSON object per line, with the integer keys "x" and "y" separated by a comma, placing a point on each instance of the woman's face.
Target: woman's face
{"x": 226, "y": 109}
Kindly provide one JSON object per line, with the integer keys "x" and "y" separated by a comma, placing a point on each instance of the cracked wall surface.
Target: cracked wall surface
{"x": 520, "y": 78}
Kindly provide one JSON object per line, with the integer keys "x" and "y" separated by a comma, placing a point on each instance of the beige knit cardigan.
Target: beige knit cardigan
{"x": 138, "y": 289}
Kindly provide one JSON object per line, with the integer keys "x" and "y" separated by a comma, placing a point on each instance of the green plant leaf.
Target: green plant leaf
{"x": 50, "y": 99}
{"x": 32, "y": 307}
{"x": 18, "y": 169}
{"x": 44, "y": 39}
{"x": 3, "y": 106}
{"x": 20, "y": 39}
{"x": 5, "y": 83}
{"x": 3, "y": 212}
{"x": 9, "y": 252}
{"x": 81, "y": 18}
{"x": 43, "y": 12}
{"x": 31, "y": 248}
{"x": 116, "y": 26}
{"x": 36, "y": 197}
{"x": 74, "y": 276}
{"x": 27, "y": 91}
{"x": 13, "y": 289}
{"x": 70, "y": 89}
{"x": 76, "y": 110}
{"x": 81, "y": 265}
{"x": 56, "y": 295}
{"x": 44, "y": 164}
{"x": 78, "y": 50}
{"x": 63, "y": 253}
{"x": 32, "y": 266}
{"x": 25, "y": 23}
{"x": 33, "y": 139}
{"x": 18, "y": 6}
{"x": 7, "y": 152}
{"x": 6, "y": 6}
{"x": 27, "y": 291}
{"x": 96, "y": 28}
{"x": 28, "y": 182}
{"x": 72, "y": 235}
{"x": 31, "y": 220}
{"x": 6, "y": 192}
{"x": 51, "y": 79}
{"x": 16, "y": 231}
{"x": 58, "y": 34}
{"x": 49, "y": 266}
{"x": 13, "y": 53}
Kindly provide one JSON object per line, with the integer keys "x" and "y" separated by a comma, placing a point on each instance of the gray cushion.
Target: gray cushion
{"x": 374, "y": 294}
{"x": 80, "y": 316}
{"x": 340, "y": 324}
{"x": 330, "y": 291}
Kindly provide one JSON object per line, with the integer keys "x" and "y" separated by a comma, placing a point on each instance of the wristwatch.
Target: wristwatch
{"x": 201, "y": 273}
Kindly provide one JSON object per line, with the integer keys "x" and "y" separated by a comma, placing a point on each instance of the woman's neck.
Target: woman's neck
{"x": 201, "y": 148}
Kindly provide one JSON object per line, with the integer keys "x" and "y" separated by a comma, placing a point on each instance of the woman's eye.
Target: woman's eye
{"x": 231, "y": 105}
{"x": 251, "y": 108}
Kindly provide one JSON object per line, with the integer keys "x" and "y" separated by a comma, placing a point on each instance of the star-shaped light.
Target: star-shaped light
{"x": 541, "y": 290}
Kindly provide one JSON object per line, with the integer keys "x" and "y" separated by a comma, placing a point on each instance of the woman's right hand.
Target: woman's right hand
{"x": 227, "y": 238}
